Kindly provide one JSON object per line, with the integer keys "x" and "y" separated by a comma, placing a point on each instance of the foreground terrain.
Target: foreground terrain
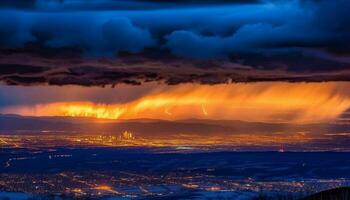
{"x": 166, "y": 172}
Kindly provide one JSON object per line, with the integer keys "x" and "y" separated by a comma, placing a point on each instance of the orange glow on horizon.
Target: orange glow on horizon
{"x": 278, "y": 102}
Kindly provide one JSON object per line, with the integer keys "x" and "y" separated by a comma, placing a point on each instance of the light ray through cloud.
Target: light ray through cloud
{"x": 266, "y": 102}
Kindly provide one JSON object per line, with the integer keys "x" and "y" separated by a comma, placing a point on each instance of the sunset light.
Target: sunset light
{"x": 292, "y": 102}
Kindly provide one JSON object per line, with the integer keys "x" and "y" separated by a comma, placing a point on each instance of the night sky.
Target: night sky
{"x": 103, "y": 42}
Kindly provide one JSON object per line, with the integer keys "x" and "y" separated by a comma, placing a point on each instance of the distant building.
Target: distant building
{"x": 126, "y": 135}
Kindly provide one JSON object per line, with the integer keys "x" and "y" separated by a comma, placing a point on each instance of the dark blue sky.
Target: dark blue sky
{"x": 303, "y": 36}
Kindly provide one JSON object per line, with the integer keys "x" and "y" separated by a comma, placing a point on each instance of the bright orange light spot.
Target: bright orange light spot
{"x": 214, "y": 188}
{"x": 106, "y": 188}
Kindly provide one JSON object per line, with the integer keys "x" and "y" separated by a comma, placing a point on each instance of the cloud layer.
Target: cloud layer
{"x": 270, "y": 39}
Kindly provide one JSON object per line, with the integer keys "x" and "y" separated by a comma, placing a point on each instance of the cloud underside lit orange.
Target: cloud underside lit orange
{"x": 266, "y": 102}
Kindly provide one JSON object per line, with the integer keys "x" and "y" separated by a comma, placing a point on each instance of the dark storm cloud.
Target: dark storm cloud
{"x": 135, "y": 69}
{"x": 221, "y": 30}
{"x": 306, "y": 37}
{"x": 111, "y": 4}
{"x": 84, "y": 31}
